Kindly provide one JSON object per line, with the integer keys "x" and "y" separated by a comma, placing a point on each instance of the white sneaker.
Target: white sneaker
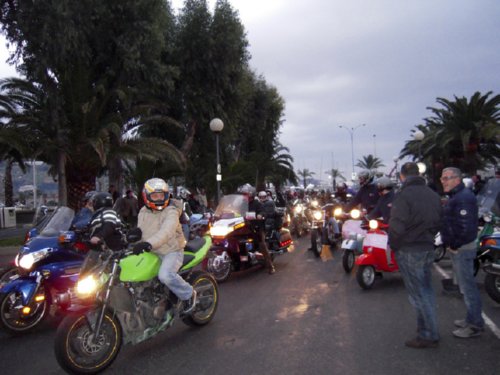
{"x": 190, "y": 303}
{"x": 461, "y": 323}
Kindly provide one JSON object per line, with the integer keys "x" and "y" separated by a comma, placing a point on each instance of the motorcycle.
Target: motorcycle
{"x": 47, "y": 267}
{"x": 119, "y": 300}
{"x": 353, "y": 235}
{"x": 299, "y": 224}
{"x": 491, "y": 245}
{"x": 439, "y": 248}
{"x": 374, "y": 260}
{"x": 325, "y": 229}
{"x": 235, "y": 235}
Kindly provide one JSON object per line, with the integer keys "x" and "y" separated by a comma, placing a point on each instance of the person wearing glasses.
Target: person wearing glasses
{"x": 459, "y": 234}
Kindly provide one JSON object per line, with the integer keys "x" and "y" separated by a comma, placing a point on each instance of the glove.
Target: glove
{"x": 141, "y": 247}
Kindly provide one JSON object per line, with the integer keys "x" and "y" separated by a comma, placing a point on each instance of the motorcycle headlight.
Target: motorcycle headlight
{"x": 355, "y": 214}
{"x": 87, "y": 285}
{"x": 26, "y": 261}
{"x": 373, "y": 224}
{"x": 298, "y": 209}
{"x": 314, "y": 203}
{"x": 337, "y": 211}
{"x": 220, "y": 231}
{"x": 318, "y": 215}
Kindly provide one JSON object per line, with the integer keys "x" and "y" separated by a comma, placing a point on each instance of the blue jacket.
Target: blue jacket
{"x": 460, "y": 218}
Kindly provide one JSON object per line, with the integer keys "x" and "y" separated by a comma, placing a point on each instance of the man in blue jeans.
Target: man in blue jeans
{"x": 415, "y": 220}
{"x": 459, "y": 234}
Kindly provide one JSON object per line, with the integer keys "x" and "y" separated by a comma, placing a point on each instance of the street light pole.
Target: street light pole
{"x": 351, "y": 133}
{"x": 216, "y": 125}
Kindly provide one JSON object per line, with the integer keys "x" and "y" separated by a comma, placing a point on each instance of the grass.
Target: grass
{"x": 13, "y": 241}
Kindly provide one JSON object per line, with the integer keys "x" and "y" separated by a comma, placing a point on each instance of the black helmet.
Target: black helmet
{"x": 100, "y": 200}
{"x": 88, "y": 196}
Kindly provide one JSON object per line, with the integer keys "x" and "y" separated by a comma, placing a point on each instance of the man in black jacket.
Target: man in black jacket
{"x": 415, "y": 220}
{"x": 459, "y": 234}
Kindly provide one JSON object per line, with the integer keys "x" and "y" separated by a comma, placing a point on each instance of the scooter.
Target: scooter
{"x": 235, "y": 237}
{"x": 374, "y": 260}
{"x": 47, "y": 267}
{"x": 353, "y": 235}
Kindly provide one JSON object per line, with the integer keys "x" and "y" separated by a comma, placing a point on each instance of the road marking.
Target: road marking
{"x": 489, "y": 323}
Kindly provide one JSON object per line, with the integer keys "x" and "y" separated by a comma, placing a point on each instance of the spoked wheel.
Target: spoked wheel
{"x": 6, "y": 274}
{"x": 220, "y": 269}
{"x": 492, "y": 286}
{"x": 365, "y": 276}
{"x": 207, "y": 299}
{"x": 314, "y": 243}
{"x": 79, "y": 351}
{"x": 15, "y": 318}
{"x": 348, "y": 260}
{"x": 439, "y": 252}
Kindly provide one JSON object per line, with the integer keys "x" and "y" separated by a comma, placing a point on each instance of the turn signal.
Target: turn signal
{"x": 39, "y": 298}
{"x": 26, "y": 310}
{"x": 489, "y": 242}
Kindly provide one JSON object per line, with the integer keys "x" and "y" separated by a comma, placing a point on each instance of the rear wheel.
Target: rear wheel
{"x": 348, "y": 260}
{"x": 365, "y": 276}
{"x": 207, "y": 299}
{"x": 13, "y": 317}
{"x": 492, "y": 286}
{"x": 78, "y": 351}
{"x": 439, "y": 252}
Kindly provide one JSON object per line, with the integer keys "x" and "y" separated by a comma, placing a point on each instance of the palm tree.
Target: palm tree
{"x": 370, "y": 162}
{"x": 335, "y": 173}
{"x": 464, "y": 133}
{"x": 305, "y": 174}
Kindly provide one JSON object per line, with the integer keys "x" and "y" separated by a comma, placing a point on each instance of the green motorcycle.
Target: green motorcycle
{"x": 119, "y": 300}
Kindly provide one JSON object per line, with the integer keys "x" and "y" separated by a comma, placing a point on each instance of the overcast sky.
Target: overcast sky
{"x": 373, "y": 62}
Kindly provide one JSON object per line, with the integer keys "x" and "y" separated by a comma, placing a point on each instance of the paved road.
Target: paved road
{"x": 308, "y": 318}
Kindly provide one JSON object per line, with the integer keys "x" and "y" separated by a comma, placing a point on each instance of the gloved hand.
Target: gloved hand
{"x": 141, "y": 247}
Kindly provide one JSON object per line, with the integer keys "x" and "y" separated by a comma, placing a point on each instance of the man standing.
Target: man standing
{"x": 415, "y": 220}
{"x": 459, "y": 234}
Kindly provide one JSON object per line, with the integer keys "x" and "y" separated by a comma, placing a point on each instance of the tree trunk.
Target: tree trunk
{"x": 115, "y": 172}
{"x": 8, "y": 186}
{"x": 61, "y": 179}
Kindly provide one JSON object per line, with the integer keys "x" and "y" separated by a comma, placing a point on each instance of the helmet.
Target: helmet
{"x": 365, "y": 177}
{"x": 341, "y": 187}
{"x": 384, "y": 183}
{"x": 100, "y": 200}
{"x": 155, "y": 185}
{"x": 247, "y": 189}
{"x": 184, "y": 193}
{"x": 262, "y": 195}
{"x": 88, "y": 196}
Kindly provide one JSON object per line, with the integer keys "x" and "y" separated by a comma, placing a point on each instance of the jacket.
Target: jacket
{"x": 416, "y": 215}
{"x": 106, "y": 225}
{"x": 460, "y": 220}
{"x": 162, "y": 229}
{"x": 367, "y": 197}
{"x": 383, "y": 207}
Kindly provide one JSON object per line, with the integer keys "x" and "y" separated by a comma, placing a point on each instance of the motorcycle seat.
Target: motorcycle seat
{"x": 194, "y": 245}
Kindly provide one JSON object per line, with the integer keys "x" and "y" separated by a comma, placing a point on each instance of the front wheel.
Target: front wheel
{"x": 207, "y": 299}
{"x": 15, "y": 318}
{"x": 219, "y": 266}
{"x": 492, "y": 286}
{"x": 439, "y": 252}
{"x": 314, "y": 243}
{"x": 6, "y": 274}
{"x": 366, "y": 276}
{"x": 78, "y": 350}
{"x": 348, "y": 260}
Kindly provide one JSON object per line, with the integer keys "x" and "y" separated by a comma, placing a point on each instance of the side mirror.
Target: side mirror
{"x": 134, "y": 235}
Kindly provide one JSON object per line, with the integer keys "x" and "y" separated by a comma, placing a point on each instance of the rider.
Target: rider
{"x": 105, "y": 224}
{"x": 162, "y": 233}
{"x": 341, "y": 192}
{"x": 82, "y": 218}
{"x": 367, "y": 195}
{"x": 383, "y": 208}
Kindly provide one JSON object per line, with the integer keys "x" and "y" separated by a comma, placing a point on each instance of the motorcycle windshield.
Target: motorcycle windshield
{"x": 59, "y": 221}
{"x": 489, "y": 196}
{"x": 231, "y": 206}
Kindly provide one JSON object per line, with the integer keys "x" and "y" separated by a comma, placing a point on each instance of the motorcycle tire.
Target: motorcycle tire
{"x": 11, "y": 320}
{"x": 207, "y": 299}
{"x": 348, "y": 259}
{"x": 74, "y": 351}
{"x": 366, "y": 277}
{"x": 477, "y": 265}
{"x": 439, "y": 252}
{"x": 492, "y": 286}
{"x": 7, "y": 273}
{"x": 314, "y": 244}
{"x": 220, "y": 275}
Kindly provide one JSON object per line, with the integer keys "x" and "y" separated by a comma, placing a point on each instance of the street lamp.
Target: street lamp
{"x": 418, "y": 136}
{"x": 216, "y": 125}
{"x": 351, "y": 133}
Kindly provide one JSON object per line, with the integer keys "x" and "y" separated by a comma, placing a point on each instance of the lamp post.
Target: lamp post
{"x": 418, "y": 136}
{"x": 351, "y": 133}
{"x": 216, "y": 125}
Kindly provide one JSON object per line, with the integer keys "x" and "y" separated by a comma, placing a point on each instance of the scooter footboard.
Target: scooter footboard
{"x": 26, "y": 286}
